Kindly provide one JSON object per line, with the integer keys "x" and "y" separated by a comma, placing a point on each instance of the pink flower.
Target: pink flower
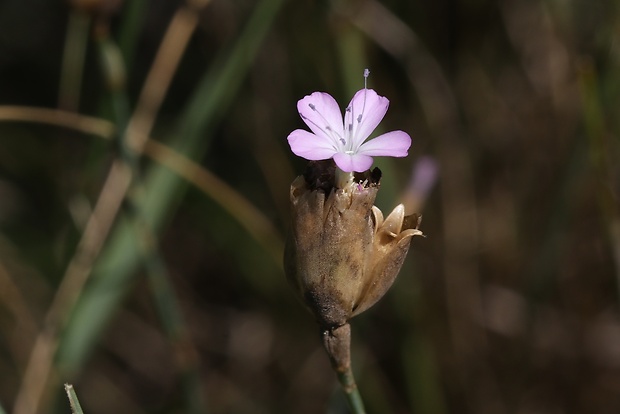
{"x": 345, "y": 142}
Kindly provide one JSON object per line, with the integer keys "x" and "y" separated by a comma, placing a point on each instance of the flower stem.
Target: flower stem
{"x": 76, "y": 408}
{"x": 337, "y": 342}
{"x": 354, "y": 398}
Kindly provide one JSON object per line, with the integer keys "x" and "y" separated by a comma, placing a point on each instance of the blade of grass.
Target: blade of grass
{"x": 252, "y": 219}
{"x": 57, "y": 117}
{"x": 39, "y": 370}
{"x": 601, "y": 150}
{"x": 12, "y": 298}
{"x": 114, "y": 270}
{"x": 73, "y": 60}
{"x": 119, "y": 261}
{"x": 132, "y": 18}
{"x": 76, "y": 408}
{"x": 169, "y": 310}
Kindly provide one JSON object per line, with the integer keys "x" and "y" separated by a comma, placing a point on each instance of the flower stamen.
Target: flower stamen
{"x": 328, "y": 130}
{"x": 359, "y": 117}
{"x": 366, "y": 75}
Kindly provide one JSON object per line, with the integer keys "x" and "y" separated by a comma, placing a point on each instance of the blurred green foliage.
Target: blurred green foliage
{"x": 509, "y": 305}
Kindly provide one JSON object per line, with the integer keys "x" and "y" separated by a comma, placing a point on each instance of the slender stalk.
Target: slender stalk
{"x": 57, "y": 117}
{"x": 354, "y": 398}
{"x": 337, "y": 342}
{"x": 214, "y": 92}
{"x": 185, "y": 354}
{"x": 73, "y": 58}
{"x": 39, "y": 369}
{"x": 76, "y": 408}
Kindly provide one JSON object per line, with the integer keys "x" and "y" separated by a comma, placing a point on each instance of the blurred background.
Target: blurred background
{"x": 144, "y": 176}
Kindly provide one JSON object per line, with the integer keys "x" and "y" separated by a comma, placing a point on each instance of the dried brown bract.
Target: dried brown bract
{"x": 342, "y": 255}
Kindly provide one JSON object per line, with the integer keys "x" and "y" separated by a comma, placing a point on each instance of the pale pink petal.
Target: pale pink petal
{"x": 390, "y": 144}
{"x": 355, "y": 162}
{"x": 363, "y": 114}
{"x": 322, "y": 114}
{"x": 309, "y": 146}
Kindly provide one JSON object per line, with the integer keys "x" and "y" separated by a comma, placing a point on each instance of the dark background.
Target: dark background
{"x": 509, "y": 305}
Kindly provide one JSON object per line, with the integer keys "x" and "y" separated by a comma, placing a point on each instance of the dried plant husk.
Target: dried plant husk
{"x": 341, "y": 255}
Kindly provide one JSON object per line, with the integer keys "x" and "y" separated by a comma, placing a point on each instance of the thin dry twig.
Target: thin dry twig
{"x": 65, "y": 119}
{"x": 238, "y": 206}
{"x": 160, "y": 76}
{"x": 12, "y": 297}
{"x": 114, "y": 191}
{"x": 39, "y": 367}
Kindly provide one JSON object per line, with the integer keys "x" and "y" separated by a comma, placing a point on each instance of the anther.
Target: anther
{"x": 366, "y": 75}
{"x": 312, "y": 107}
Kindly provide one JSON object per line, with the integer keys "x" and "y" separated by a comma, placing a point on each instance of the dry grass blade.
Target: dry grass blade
{"x": 99, "y": 224}
{"x": 158, "y": 81}
{"x": 12, "y": 297}
{"x": 238, "y": 206}
{"x": 57, "y": 117}
{"x": 76, "y": 408}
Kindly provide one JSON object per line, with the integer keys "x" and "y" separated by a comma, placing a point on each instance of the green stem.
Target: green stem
{"x": 337, "y": 343}
{"x": 169, "y": 309}
{"x": 354, "y": 398}
{"x": 73, "y": 58}
{"x": 76, "y": 408}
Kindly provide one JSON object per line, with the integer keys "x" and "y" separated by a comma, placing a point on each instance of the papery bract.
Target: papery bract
{"x": 342, "y": 255}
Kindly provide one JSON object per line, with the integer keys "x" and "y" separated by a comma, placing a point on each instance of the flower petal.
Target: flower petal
{"x": 390, "y": 144}
{"x": 310, "y": 146}
{"x": 352, "y": 162}
{"x": 363, "y": 114}
{"x": 322, "y": 115}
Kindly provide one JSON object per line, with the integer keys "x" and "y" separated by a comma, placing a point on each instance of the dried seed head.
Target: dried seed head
{"x": 341, "y": 256}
